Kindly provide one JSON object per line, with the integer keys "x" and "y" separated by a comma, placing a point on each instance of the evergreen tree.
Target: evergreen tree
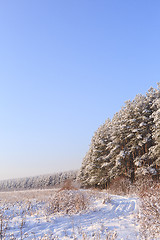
{"x": 127, "y": 145}
{"x": 155, "y": 150}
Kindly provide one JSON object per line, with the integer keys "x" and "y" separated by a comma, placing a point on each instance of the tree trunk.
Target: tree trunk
{"x": 132, "y": 168}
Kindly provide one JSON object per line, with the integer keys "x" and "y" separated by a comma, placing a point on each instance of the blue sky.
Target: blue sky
{"x": 65, "y": 67}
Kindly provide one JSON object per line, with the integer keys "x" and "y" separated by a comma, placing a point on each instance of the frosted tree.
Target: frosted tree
{"x": 129, "y": 145}
{"x": 155, "y": 150}
{"x": 142, "y": 133}
{"x": 93, "y": 172}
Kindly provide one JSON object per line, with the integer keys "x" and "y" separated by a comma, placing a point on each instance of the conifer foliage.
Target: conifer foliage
{"x": 128, "y": 145}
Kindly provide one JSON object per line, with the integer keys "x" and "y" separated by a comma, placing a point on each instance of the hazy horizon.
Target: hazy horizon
{"x": 67, "y": 66}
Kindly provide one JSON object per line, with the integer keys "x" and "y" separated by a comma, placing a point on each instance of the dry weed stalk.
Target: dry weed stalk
{"x": 3, "y": 224}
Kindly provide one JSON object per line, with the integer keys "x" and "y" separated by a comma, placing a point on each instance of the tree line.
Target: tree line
{"x": 37, "y": 182}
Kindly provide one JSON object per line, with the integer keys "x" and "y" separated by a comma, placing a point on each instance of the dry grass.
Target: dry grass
{"x": 44, "y": 204}
{"x": 26, "y": 195}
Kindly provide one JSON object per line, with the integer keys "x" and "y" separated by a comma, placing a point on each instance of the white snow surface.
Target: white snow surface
{"x": 28, "y": 215}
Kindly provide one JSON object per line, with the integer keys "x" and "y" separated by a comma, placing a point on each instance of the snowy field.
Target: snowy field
{"x": 72, "y": 214}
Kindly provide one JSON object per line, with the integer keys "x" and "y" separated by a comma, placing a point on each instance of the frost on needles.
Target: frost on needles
{"x": 128, "y": 145}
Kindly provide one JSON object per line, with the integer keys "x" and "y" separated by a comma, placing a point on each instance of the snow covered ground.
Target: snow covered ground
{"x": 73, "y": 214}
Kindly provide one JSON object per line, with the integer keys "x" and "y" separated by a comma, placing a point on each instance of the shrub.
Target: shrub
{"x": 120, "y": 185}
{"x": 149, "y": 216}
{"x": 68, "y": 202}
{"x": 68, "y": 185}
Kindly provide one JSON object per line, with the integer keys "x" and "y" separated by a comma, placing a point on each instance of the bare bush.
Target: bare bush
{"x": 68, "y": 202}
{"x": 142, "y": 184}
{"x": 120, "y": 185}
{"x": 149, "y": 216}
{"x": 68, "y": 185}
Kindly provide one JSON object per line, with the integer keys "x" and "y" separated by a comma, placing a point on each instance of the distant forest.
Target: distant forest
{"x": 38, "y": 182}
{"x": 128, "y": 145}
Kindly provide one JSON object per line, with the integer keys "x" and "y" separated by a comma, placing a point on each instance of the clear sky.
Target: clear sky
{"x": 65, "y": 67}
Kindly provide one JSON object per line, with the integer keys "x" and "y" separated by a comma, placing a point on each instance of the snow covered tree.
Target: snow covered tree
{"x": 93, "y": 172}
{"x": 128, "y": 145}
{"x": 155, "y": 150}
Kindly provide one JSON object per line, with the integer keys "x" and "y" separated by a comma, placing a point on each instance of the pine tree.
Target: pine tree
{"x": 128, "y": 145}
{"x": 155, "y": 150}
